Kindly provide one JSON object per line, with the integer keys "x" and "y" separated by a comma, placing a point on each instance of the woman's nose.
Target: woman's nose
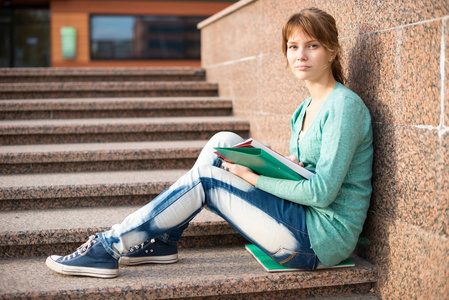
{"x": 300, "y": 55}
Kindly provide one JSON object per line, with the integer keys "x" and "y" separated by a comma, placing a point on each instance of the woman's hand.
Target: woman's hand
{"x": 295, "y": 160}
{"x": 242, "y": 172}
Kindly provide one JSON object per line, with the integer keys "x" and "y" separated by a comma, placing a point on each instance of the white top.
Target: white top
{"x": 301, "y": 135}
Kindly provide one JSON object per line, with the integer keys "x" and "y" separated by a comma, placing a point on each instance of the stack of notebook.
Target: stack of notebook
{"x": 271, "y": 266}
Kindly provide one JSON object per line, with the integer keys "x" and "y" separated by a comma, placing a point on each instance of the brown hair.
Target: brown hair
{"x": 319, "y": 25}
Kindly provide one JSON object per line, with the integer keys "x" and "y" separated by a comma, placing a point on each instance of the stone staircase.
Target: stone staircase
{"x": 83, "y": 148}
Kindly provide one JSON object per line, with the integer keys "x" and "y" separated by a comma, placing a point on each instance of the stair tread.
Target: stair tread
{"x": 106, "y": 86}
{"x": 114, "y": 124}
{"x": 114, "y": 103}
{"x": 86, "y": 184}
{"x": 199, "y": 272}
{"x": 88, "y": 178}
{"x": 118, "y": 71}
{"x": 75, "y": 224}
{"x": 100, "y": 151}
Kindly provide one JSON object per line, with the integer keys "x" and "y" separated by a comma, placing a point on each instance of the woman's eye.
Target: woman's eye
{"x": 313, "y": 46}
{"x": 292, "y": 47}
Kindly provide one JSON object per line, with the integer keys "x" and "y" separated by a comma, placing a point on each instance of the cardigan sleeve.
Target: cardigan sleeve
{"x": 341, "y": 128}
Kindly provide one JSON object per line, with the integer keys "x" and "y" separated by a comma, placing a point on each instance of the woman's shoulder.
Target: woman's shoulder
{"x": 344, "y": 99}
{"x": 342, "y": 92}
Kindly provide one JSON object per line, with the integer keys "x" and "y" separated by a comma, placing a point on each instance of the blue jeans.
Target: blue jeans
{"x": 275, "y": 225}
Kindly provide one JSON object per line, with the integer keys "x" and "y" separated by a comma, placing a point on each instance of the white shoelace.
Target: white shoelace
{"x": 82, "y": 250}
{"x": 132, "y": 249}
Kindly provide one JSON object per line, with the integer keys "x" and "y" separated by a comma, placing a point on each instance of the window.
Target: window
{"x": 144, "y": 37}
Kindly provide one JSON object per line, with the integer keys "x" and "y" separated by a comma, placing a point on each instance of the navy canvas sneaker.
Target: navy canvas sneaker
{"x": 153, "y": 251}
{"x": 91, "y": 259}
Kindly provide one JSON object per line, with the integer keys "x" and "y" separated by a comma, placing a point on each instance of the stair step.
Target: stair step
{"x": 22, "y": 132}
{"x": 16, "y": 109}
{"x": 355, "y": 296}
{"x": 15, "y": 75}
{"x": 107, "y": 89}
{"x": 21, "y": 159}
{"x": 61, "y": 231}
{"x": 62, "y": 190}
{"x": 224, "y": 273}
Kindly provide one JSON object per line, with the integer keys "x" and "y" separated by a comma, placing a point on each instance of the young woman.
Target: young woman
{"x": 299, "y": 223}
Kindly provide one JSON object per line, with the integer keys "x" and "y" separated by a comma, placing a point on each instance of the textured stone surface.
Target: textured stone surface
{"x": 12, "y": 75}
{"x": 14, "y": 132}
{"x": 372, "y": 72}
{"x": 61, "y": 231}
{"x": 113, "y": 108}
{"x": 443, "y": 187}
{"x": 245, "y": 86}
{"x": 420, "y": 77}
{"x": 220, "y": 272}
{"x": 237, "y": 28}
{"x": 86, "y": 184}
{"x": 99, "y": 157}
{"x": 445, "y": 73}
{"x": 106, "y": 89}
{"x": 398, "y": 250}
{"x": 407, "y": 177}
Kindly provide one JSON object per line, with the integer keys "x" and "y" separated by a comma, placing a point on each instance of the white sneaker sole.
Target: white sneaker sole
{"x": 132, "y": 261}
{"x": 79, "y": 271}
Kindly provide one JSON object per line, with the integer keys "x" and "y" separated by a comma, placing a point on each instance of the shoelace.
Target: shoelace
{"x": 137, "y": 247}
{"x": 82, "y": 250}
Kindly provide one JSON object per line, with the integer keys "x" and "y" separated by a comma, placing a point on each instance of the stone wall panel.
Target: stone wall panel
{"x": 445, "y": 74}
{"x": 373, "y": 71}
{"x": 420, "y": 83}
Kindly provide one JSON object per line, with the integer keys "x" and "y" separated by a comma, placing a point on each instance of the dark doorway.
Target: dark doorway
{"x": 24, "y": 36}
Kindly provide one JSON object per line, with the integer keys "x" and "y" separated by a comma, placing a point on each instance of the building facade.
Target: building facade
{"x": 97, "y": 33}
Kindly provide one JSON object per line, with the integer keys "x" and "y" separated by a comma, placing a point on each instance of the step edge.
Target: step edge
{"x": 105, "y": 86}
{"x": 79, "y": 235}
{"x": 253, "y": 283}
{"x": 105, "y": 104}
{"x": 52, "y": 126}
{"x": 86, "y": 190}
{"x": 117, "y": 71}
{"x": 74, "y": 156}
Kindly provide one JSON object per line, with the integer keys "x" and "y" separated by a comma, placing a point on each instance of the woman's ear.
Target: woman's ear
{"x": 333, "y": 56}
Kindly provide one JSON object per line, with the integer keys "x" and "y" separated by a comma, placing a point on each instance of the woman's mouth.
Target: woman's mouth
{"x": 302, "y": 68}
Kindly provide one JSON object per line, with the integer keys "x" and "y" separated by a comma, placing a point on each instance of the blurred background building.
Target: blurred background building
{"x": 102, "y": 32}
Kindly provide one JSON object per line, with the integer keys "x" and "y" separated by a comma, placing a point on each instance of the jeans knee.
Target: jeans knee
{"x": 225, "y": 138}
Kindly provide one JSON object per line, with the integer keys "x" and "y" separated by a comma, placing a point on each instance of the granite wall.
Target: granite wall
{"x": 396, "y": 58}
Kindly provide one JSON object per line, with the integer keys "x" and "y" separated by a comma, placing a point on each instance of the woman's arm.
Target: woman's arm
{"x": 341, "y": 136}
{"x": 242, "y": 172}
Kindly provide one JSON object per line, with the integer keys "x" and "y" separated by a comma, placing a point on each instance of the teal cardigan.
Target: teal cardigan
{"x": 338, "y": 148}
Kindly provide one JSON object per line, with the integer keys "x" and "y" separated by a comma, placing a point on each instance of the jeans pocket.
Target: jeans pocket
{"x": 295, "y": 259}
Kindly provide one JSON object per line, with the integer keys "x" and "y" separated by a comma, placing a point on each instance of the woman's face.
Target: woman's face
{"x": 307, "y": 58}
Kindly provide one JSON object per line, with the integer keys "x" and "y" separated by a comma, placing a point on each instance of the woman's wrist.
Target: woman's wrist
{"x": 243, "y": 172}
{"x": 252, "y": 178}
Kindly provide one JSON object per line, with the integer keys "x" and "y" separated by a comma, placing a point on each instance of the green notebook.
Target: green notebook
{"x": 260, "y": 162}
{"x": 271, "y": 266}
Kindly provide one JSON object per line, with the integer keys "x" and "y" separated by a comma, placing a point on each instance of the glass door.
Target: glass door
{"x": 25, "y": 37}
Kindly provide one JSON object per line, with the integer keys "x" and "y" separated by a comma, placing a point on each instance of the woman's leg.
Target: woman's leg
{"x": 98, "y": 257}
{"x": 275, "y": 225}
{"x": 206, "y": 157}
